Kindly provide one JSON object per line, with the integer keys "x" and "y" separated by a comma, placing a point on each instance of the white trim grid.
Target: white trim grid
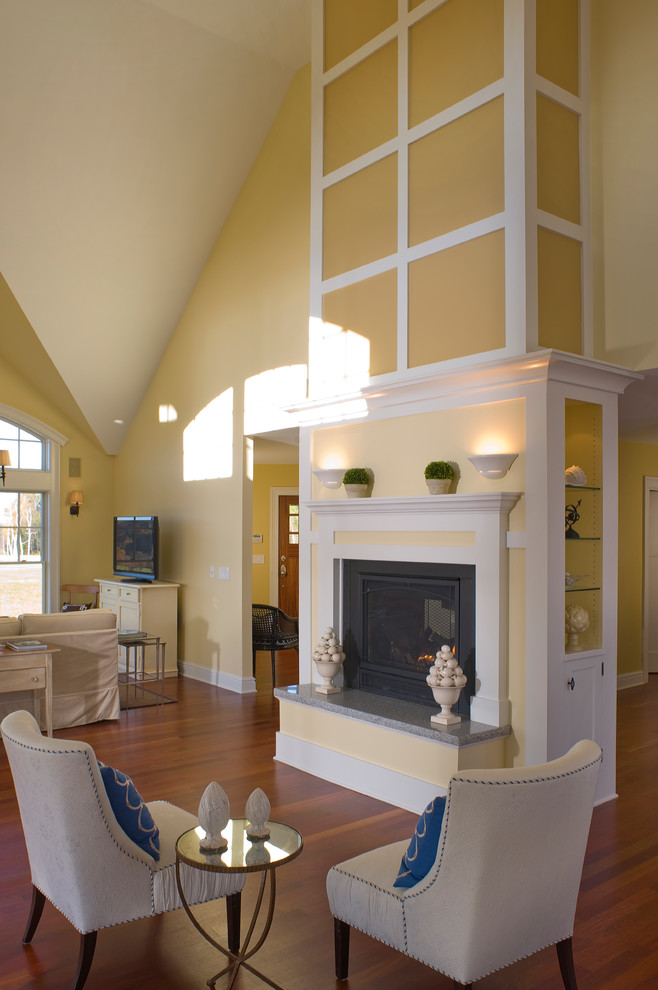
{"x": 46, "y": 481}
{"x": 521, "y": 217}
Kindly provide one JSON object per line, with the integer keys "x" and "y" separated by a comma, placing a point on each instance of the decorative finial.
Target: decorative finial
{"x": 257, "y": 812}
{"x": 214, "y": 814}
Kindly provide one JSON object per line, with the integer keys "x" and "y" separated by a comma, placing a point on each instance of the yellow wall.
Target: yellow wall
{"x": 624, "y": 188}
{"x": 451, "y": 435}
{"x": 267, "y": 476}
{"x": 247, "y": 314}
{"x": 636, "y": 460}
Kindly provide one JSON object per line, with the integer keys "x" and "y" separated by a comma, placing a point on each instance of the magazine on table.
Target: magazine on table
{"x": 26, "y": 645}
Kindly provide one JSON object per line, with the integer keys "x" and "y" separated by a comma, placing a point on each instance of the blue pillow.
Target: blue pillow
{"x": 421, "y": 851}
{"x": 130, "y": 810}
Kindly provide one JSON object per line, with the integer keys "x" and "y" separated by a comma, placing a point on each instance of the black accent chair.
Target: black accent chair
{"x": 272, "y": 629}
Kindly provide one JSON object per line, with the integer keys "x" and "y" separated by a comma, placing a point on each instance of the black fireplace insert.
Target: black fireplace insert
{"x": 397, "y": 615}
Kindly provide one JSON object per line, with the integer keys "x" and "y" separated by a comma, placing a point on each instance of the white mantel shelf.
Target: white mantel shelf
{"x": 480, "y": 502}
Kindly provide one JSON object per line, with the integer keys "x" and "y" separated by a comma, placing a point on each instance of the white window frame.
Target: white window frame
{"x": 46, "y": 481}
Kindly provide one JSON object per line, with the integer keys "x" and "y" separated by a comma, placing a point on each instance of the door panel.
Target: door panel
{"x": 289, "y": 554}
{"x": 652, "y": 595}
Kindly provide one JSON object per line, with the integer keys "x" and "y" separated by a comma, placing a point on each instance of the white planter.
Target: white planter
{"x": 438, "y": 486}
{"x": 356, "y": 491}
{"x": 327, "y": 670}
{"x": 446, "y": 697}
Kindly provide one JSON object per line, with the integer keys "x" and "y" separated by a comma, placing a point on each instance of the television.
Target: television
{"x": 136, "y": 554}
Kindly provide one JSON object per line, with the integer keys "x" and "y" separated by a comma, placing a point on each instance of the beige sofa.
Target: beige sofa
{"x": 85, "y": 672}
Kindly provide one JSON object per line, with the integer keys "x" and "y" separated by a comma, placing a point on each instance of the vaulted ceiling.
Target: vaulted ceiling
{"x": 128, "y": 128}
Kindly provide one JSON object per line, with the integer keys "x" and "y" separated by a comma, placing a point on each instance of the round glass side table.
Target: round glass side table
{"x": 242, "y": 855}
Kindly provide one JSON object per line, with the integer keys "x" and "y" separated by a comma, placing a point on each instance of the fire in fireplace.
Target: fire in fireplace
{"x": 397, "y": 615}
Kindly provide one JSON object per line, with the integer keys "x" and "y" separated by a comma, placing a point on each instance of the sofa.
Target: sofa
{"x": 85, "y": 672}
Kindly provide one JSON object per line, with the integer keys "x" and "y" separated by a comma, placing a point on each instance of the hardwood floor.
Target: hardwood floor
{"x": 173, "y": 752}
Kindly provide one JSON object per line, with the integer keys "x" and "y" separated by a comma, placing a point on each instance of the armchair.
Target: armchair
{"x": 99, "y": 877}
{"x": 272, "y": 629}
{"x": 503, "y": 883}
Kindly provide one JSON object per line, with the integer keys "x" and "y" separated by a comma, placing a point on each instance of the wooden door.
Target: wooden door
{"x": 289, "y": 554}
{"x": 651, "y": 551}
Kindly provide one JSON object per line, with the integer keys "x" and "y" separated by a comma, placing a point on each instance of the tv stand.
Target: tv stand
{"x": 150, "y": 606}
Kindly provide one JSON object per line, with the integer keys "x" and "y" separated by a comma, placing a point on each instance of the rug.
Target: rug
{"x": 135, "y": 696}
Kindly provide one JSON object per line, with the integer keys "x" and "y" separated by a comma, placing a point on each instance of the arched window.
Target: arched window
{"x": 29, "y": 515}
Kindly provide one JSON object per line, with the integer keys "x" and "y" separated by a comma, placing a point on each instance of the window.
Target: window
{"x": 21, "y": 558}
{"x": 29, "y": 515}
{"x": 26, "y": 450}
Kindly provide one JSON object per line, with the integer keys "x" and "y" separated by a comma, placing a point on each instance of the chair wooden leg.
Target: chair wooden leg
{"x": 233, "y": 903}
{"x": 341, "y": 948}
{"x": 36, "y": 907}
{"x": 87, "y": 946}
{"x": 253, "y": 663}
{"x": 273, "y": 670}
{"x": 567, "y": 969}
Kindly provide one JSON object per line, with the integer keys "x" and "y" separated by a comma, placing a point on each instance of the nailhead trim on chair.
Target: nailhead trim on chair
{"x": 416, "y": 893}
{"x": 66, "y": 752}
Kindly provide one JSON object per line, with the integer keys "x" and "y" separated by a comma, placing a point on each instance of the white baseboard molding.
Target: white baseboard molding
{"x": 395, "y": 788}
{"x": 230, "y": 682}
{"x": 634, "y": 679}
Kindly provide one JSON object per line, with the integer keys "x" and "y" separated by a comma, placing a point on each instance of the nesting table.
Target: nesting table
{"x": 242, "y": 855}
{"x": 135, "y": 646}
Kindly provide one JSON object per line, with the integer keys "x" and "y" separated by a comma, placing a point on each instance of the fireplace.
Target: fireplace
{"x": 397, "y": 615}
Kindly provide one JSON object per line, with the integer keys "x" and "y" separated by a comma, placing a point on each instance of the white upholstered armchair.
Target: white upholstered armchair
{"x": 81, "y": 859}
{"x": 502, "y": 884}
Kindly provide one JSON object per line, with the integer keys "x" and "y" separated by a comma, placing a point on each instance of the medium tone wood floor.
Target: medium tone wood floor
{"x": 173, "y": 753}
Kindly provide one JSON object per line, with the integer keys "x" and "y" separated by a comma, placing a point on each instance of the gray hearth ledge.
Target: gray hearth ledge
{"x": 390, "y": 713}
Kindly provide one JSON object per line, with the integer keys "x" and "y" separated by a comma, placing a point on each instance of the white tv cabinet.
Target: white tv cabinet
{"x": 150, "y": 606}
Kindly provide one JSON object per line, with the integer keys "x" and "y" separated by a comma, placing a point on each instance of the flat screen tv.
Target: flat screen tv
{"x": 136, "y": 547}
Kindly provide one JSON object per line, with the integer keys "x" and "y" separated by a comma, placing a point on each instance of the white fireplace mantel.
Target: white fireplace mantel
{"x": 479, "y": 502}
{"x": 468, "y": 528}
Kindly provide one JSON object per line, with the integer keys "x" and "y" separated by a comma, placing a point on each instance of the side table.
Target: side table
{"x": 29, "y": 671}
{"x": 243, "y": 855}
{"x": 138, "y": 644}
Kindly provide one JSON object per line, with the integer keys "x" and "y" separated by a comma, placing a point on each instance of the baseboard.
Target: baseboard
{"x": 390, "y": 786}
{"x": 230, "y": 682}
{"x": 634, "y": 679}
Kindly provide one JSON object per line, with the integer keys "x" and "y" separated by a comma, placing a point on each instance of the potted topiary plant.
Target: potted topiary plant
{"x": 356, "y": 481}
{"x": 439, "y": 475}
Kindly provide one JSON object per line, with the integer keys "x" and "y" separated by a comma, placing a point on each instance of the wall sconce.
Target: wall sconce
{"x": 330, "y": 477}
{"x": 5, "y": 461}
{"x": 493, "y": 465}
{"x": 74, "y": 500}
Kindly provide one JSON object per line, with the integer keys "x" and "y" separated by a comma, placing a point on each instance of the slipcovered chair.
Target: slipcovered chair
{"x": 501, "y": 885}
{"x": 82, "y": 860}
{"x": 272, "y": 629}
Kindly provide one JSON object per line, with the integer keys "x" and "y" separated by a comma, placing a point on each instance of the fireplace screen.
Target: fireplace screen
{"x": 397, "y": 616}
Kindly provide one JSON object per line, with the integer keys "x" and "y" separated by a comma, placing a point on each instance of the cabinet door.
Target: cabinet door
{"x": 583, "y": 689}
{"x": 129, "y": 615}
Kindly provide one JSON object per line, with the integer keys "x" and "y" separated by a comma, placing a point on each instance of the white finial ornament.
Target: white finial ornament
{"x": 328, "y": 657}
{"x": 214, "y": 814}
{"x": 446, "y": 679}
{"x": 257, "y": 812}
